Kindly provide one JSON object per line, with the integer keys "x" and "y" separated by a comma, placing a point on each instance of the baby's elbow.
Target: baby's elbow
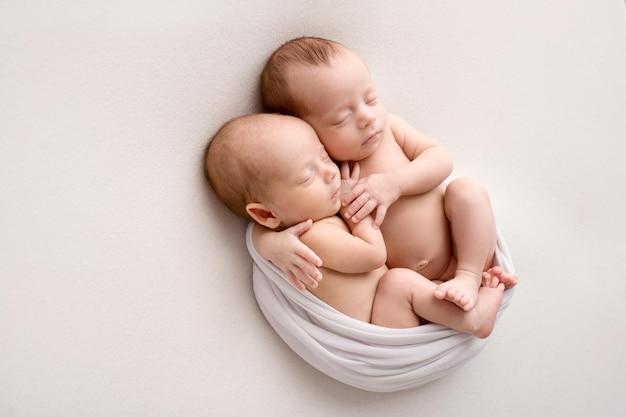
{"x": 379, "y": 258}
{"x": 371, "y": 259}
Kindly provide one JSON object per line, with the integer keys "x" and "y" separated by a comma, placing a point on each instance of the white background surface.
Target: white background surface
{"x": 125, "y": 284}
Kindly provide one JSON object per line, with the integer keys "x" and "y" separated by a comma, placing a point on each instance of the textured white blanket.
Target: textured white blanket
{"x": 361, "y": 354}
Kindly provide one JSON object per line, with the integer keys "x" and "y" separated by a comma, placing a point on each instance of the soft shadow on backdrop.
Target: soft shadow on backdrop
{"x": 125, "y": 284}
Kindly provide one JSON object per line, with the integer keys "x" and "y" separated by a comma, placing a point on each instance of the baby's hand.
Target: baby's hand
{"x": 376, "y": 192}
{"x": 288, "y": 253}
{"x": 349, "y": 178}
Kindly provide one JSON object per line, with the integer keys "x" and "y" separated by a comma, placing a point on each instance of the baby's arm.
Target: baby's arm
{"x": 357, "y": 249}
{"x": 430, "y": 165}
{"x": 286, "y": 251}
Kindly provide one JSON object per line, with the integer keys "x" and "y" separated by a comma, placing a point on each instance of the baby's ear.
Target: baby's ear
{"x": 262, "y": 215}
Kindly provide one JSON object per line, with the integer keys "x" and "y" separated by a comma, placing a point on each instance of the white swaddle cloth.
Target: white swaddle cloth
{"x": 360, "y": 354}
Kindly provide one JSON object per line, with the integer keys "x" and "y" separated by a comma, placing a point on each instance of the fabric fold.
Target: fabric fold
{"x": 360, "y": 354}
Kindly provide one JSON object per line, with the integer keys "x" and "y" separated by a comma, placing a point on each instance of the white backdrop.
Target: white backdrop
{"x": 125, "y": 284}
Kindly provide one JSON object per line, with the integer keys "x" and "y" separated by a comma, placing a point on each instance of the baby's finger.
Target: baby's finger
{"x": 295, "y": 281}
{"x": 345, "y": 170}
{"x": 356, "y": 171}
{"x": 351, "y": 196}
{"x": 309, "y": 270}
{"x": 301, "y": 227}
{"x": 381, "y": 211}
{"x": 308, "y": 280}
{"x": 365, "y": 210}
{"x": 309, "y": 258}
{"x": 355, "y": 205}
{"x": 308, "y": 275}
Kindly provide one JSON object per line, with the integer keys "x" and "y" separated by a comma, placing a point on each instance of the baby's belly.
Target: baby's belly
{"x": 417, "y": 234}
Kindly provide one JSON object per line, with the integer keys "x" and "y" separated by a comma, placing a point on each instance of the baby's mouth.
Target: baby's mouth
{"x": 336, "y": 194}
{"x": 372, "y": 138}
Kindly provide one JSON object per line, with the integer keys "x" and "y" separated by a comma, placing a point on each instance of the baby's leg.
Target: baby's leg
{"x": 403, "y": 296}
{"x": 393, "y": 302}
{"x": 486, "y": 310}
{"x": 474, "y": 236}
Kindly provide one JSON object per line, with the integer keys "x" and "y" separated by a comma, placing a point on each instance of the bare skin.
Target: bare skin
{"x": 496, "y": 275}
{"x": 443, "y": 232}
{"x": 473, "y": 229}
{"x": 409, "y": 292}
{"x": 356, "y": 280}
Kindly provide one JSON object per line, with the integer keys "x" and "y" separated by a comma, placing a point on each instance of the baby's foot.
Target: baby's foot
{"x": 489, "y": 300}
{"x": 495, "y": 275}
{"x": 461, "y": 290}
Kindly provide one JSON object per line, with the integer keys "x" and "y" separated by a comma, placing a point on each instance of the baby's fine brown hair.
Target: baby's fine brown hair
{"x": 275, "y": 92}
{"x": 235, "y": 165}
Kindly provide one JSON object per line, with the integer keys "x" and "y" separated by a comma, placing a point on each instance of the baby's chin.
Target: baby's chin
{"x": 330, "y": 213}
{"x": 319, "y": 213}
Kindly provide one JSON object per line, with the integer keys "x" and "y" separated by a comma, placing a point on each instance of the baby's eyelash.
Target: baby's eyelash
{"x": 306, "y": 180}
{"x": 341, "y": 121}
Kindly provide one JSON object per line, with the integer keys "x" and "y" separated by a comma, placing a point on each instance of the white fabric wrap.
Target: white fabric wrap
{"x": 360, "y": 354}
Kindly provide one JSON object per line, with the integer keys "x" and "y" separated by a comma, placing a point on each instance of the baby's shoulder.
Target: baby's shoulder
{"x": 397, "y": 123}
{"x": 324, "y": 231}
{"x": 395, "y": 120}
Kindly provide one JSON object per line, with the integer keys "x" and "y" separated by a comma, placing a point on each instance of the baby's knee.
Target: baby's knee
{"x": 466, "y": 184}
{"x": 398, "y": 281}
{"x": 466, "y": 188}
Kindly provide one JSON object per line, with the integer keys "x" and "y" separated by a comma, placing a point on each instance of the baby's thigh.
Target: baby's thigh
{"x": 393, "y": 302}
